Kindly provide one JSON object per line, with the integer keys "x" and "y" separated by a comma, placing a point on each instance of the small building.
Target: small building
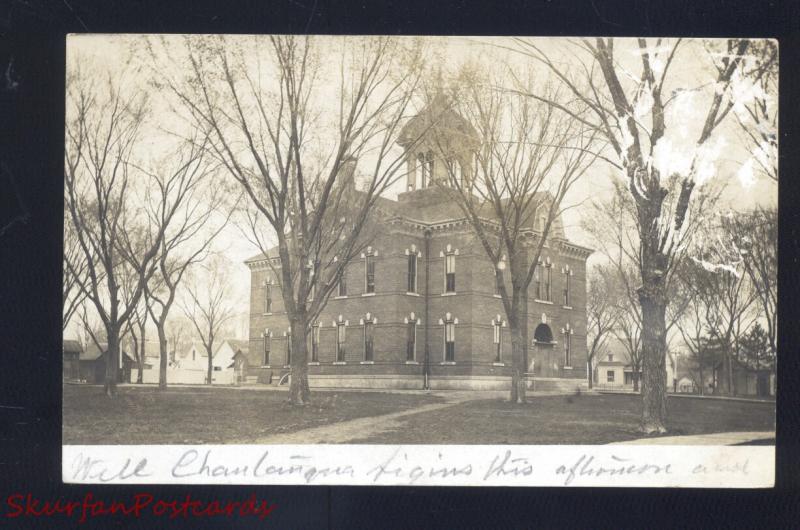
{"x": 72, "y": 350}
{"x": 614, "y": 371}
{"x": 92, "y": 364}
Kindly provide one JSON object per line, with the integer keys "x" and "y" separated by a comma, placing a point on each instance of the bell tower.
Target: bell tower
{"x": 440, "y": 146}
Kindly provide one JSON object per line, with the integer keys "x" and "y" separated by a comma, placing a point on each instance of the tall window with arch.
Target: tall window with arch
{"x": 268, "y": 296}
{"x": 567, "y": 331}
{"x": 341, "y": 348}
{"x": 342, "y": 287}
{"x": 412, "y": 270}
{"x": 369, "y": 271}
{"x": 267, "y": 346}
{"x": 537, "y": 281}
{"x": 548, "y": 282}
{"x": 411, "y": 337}
{"x": 425, "y": 164}
{"x": 449, "y": 324}
{"x": 315, "y": 343}
{"x": 497, "y": 338}
{"x": 369, "y": 338}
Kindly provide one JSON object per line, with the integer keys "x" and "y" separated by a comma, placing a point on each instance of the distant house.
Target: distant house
{"x": 686, "y": 385}
{"x": 71, "y": 360}
{"x": 92, "y": 364}
{"x": 613, "y": 371}
{"x": 747, "y": 380}
{"x": 190, "y": 366}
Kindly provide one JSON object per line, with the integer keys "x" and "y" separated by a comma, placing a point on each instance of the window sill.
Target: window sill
{"x": 412, "y": 362}
{"x": 367, "y": 362}
{"x": 339, "y": 362}
{"x": 409, "y": 293}
{"x": 449, "y": 294}
{"x": 567, "y": 307}
{"x": 498, "y": 364}
{"x": 497, "y": 296}
{"x": 367, "y": 294}
{"x": 313, "y": 363}
{"x": 542, "y": 301}
{"x": 342, "y": 297}
{"x": 286, "y": 366}
{"x": 266, "y": 366}
{"x": 567, "y": 367}
{"x": 266, "y": 314}
{"x": 448, "y": 363}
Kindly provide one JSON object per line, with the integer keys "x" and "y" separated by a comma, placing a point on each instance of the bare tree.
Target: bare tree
{"x": 184, "y": 193}
{"x": 75, "y": 270}
{"x": 102, "y": 130}
{"x": 602, "y": 312}
{"x": 208, "y": 307}
{"x": 717, "y": 279}
{"x": 264, "y": 117}
{"x": 754, "y": 236}
{"x": 630, "y": 109}
{"x": 758, "y": 117}
{"x": 137, "y": 330}
{"x": 528, "y": 158}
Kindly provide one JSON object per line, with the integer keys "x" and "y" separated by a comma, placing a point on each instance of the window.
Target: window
{"x": 567, "y": 277}
{"x": 267, "y": 347}
{"x": 610, "y": 376}
{"x": 411, "y": 340}
{"x": 340, "y": 344}
{"x": 567, "y": 349}
{"x": 497, "y": 339}
{"x": 268, "y": 298}
{"x": 288, "y": 348}
{"x": 217, "y": 368}
{"x": 343, "y": 284}
{"x": 611, "y": 357}
{"x": 315, "y": 343}
{"x": 449, "y": 341}
{"x": 369, "y": 262}
{"x": 369, "y": 332}
{"x": 498, "y": 281}
{"x": 425, "y": 161}
{"x": 537, "y": 283}
{"x": 450, "y": 272}
{"x": 548, "y": 281}
{"x": 412, "y": 272}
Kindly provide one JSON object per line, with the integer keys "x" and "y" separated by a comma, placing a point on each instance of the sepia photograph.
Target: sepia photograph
{"x": 491, "y": 254}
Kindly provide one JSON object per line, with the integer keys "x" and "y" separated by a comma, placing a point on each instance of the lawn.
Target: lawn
{"x": 588, "y": 419}
{"x": 144, "y": 415}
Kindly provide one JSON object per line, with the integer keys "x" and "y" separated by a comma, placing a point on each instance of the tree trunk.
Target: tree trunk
{"x": 635, "y": 377}
{"x": 589, "y": 373}
{"x": 112, "y": 362}
{"x": 210, "y": 365}
{"x": 142, "y": 352}
{"x": 162, "y": 365}
{"x": 654, "y": 348}
{"x": 299, "y": 392}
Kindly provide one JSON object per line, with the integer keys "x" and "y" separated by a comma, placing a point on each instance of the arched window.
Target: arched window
{"x": 268, "y": 296}
{"x": 543, "y": 334}
{"x": 449, "y": 256}
{"x": 425, "y": 163}
{"x": 369, "y": 337}
{"x": 413, "y": 257}
{"x": 497, "y": 337}
{"x": 449, "y": 323}
{"x": 267, "y": 346}
{"x": 315, "y": 343}
{"x": 567, "y": 284}
{"x": 340, "y": 326}
{"x": 411, "y": 337}
{"x": 288, "y": 346}
{"x": 567, "y": 332}
{"x": 369, "y": 270}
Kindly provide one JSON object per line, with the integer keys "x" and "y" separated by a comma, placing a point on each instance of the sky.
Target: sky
{"x": 125, "y": 56}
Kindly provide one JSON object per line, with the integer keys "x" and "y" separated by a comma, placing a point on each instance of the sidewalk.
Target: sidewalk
{"x": 719, "y": 438}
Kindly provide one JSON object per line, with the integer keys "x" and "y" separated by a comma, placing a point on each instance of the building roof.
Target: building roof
{"x": 93, "y": 353}
{"x": 439, "y": 120}
{"x": 72, "y": 346}
{"x": 239, "y": 345}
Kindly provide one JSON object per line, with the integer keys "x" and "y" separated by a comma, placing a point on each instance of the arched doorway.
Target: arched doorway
{"x": 546, "y": 361}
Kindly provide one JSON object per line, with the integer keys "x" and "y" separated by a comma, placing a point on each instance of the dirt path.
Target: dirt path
{"x": 364, "y": 427}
